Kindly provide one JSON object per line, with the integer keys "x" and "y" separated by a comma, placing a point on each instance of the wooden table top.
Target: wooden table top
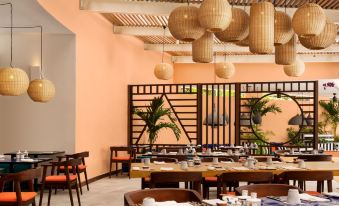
{"x": 229, "y": 167}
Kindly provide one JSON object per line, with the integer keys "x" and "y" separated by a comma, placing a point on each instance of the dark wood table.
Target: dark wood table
{"x": 13, "y": 161}
{"x": 36, "y": 154}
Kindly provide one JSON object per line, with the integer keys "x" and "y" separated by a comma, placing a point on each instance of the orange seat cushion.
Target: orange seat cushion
{"x": 147, "y": 179}
{"x": 312, "y": 192}
{"x": 211, "y": 179}
{"x": 121, "y": 158}
{"x": 60, "y": 178}
{"x": 11, "y": 196}
{"x": 81, "y": 167}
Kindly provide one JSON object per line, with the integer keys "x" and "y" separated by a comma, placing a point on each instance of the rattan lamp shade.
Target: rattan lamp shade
{"x": 309, "y": 20}
{"x": 286, "y": 54}
{"x": 244, "y": 43}
{"x": 283, "y": 31}
{"x": 41, "y": 90}
{"x": 296, "y": 69}
{"x": 215, "y": 15}
{"x": 184, "y": 25}
{"x": 163, "y": 71}
{"x": 224, "y": 70}
{"x": 238, "y": 28}
{"x": 202, "y": 48}
{"x": 13, "y": 81}
{"x": 323, "y": 40}
{"x": 261, "y": 37}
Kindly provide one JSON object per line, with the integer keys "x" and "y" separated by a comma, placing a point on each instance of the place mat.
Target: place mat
{"x": 331, "y": 194}
{"x": 213, "y": 202}
{"x": 311, "y": 198}
{"x": 27, "y": 160}
{"x": 290, "y": 168}
{"x": 159, "y": 162}
{"x": 172, "y": 153}
{"x": 166, "y": 168}
{"x": 240, "y": 168}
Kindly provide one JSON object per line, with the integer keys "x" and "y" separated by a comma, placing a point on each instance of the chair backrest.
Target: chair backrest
{"x": 176, "y": 177}
{"x": 302, "y": 176}
{"x": 80, "y": 155}
{"x": 264, "y": 190}
{"x": 160, "y": 195}
{"x": 210, "y": 159}
{"x": 164, "y": 159}
{"x": 264, "y": 159}
{"x": 71, "y": 163}
{"x": 116, "y": 149}
{"x": 316, "y": 158}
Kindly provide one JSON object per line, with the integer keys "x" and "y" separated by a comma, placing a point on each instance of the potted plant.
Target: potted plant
{"x": 331, "y": 114}
{"x": 154, "y": 120}
{"x": 261, "y": 108}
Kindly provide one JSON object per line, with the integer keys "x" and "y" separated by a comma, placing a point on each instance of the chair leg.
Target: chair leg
{"x": 70, "y": 194}
{"x": 78, "y": 196}
{"x": 110, "y": 170}
{"x": 79, "y": 179}
{"x": 86, "y": 179}
{"x": 41, "y": 194}
{"x": 116, "y": 168}
{"x": 33, "y": 203}
{"x": 49, "y": 195}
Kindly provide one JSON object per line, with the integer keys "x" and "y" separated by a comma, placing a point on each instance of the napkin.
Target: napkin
{"x": 311, "y": 198}
{"x": 27, "y": 160}
{"x": 136, "y": 168}
{"x": 331, "y": 194}
{"x": 240, "y": 168}
{"x": 159, "y": 162}
{"x": 213, "y": 201}
{"x": 166, "y": 168}
{"x": 290, "y": 168}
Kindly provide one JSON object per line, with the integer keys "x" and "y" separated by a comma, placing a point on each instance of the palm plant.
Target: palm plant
{"x": 153, "y": 118}
{"x": 331, "y": 114}
{"x": 262, "y": 108}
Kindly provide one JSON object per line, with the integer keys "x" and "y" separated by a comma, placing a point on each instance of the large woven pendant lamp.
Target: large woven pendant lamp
{"x": 286, "y": 54}
{"x": 283, "y": 31}
{"x": 309, "y": 20}
{"x": 41, "y": 90}
{"x": 224, "y": 70}
{"x": 261, "y": 37}
{"x": 184, "y": 25}
{"x": 215, "y": 15}
{"x": 163, "y": 71}
{"x": 296, "y": 69}
{"x": 243, "y": 43}
{"x": 13, "y": 81}
{"x": 238, "y": 28}
{"x": 202, "y": 48}
{"x": 325, "y": 39}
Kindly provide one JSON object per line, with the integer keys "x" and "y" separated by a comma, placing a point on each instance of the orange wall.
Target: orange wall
{"x": 199, "y": 73}
{"x": 105, "y": 65}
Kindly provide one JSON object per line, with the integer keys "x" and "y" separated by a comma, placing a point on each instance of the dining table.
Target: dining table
{"x": 209, "y": 169}
{"x": 37, "y": 154}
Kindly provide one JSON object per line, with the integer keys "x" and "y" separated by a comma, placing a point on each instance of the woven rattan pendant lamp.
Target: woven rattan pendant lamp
{"x": 296, "y": 69}
{"x": 224, "y": 70}
{"x": 238, "y": 28}
{"x": 41, "y": 90}
{"x": 202, "y": 48}
{"x": 325, "y": 39}
{"x": 283, "y": 31}
{"x": 215, "y": 15}
{"x": 184, "y": 25}
{"x": 286, "y": 54}
{"x": 309, "y": 20}
{"x": 13, "y": 81}
{"x": 163, "y": 71}
{"x": 261, "y": 37}
{"x": 243, "y": 43}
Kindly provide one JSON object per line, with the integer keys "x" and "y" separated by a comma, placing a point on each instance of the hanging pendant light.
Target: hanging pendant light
{"x": 297, "y": 120}
{"x": 13, "y": 81}
{"x": 325, "y": 39}
{"x": 309, "y": 120}
{"x": 163, "y": 71}
{"x": 184, "y": 25}
{"x": 334, "y": 99}
{"x": 224, "y": 70}
{"x": 215, "y": 15}
{"x": 296, "y": 69}
{"x": 202, "y": 48}
{"x": 243, "y": 43}
{"x": 238, "y": 28}
{"x": 261, "y": 37}
{"x": 283, "y": 31}
{"x": 215, "y": 120}
{"x": 256, "y": 118}
{"x": 286, "y": 54}
{"x": 41, "y": 90}
{"x": 309, "y": 20}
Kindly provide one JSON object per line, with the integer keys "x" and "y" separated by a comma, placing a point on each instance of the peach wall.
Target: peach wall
{"x": 105, "y": 65}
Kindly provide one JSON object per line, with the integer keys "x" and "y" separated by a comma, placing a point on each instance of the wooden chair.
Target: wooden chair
{"x": 146, "y": 180}
{"x": 264, "y": 190}
{"x": 208, "y": 182}
{"x": 264, "y": 159}
{"x": 81, "y": 168}
{"x": 114, "y": 158}
{"x": 210, "y": 159}
{"x": 302, "y": 176}
{"x": 249, "y": 177}
{"x": 316, "y": 158}
{"x": 160, "y": 195}
{"x": 161, "y": 178}
{"x": 67, "y": 180}
{"x": 19, "y": 198}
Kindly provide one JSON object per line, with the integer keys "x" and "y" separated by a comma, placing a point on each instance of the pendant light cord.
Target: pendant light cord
{"x": 163, "y": 45}
{"x": 11, "y": 27}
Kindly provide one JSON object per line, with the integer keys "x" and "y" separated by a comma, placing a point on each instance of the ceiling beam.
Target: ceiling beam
{"x": 159, "y": 8}
{"x": 229, "y": 48}
{"x": 261, "y": 58}
{"x": 141, "y": 31}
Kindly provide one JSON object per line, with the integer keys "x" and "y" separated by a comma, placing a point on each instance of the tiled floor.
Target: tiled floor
{"x": 109, "y": 192}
